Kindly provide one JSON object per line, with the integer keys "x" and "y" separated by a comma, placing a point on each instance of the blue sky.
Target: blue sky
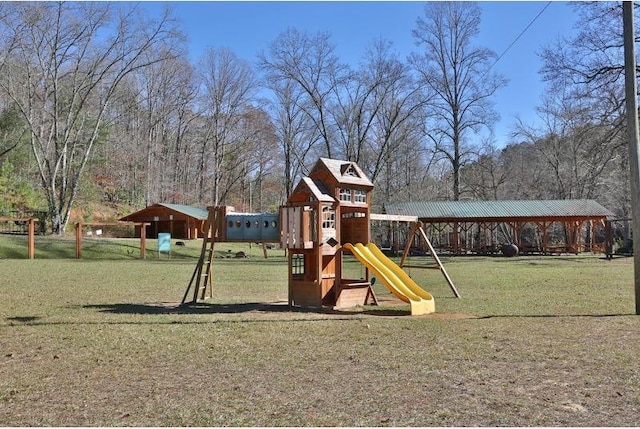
{"x": 247, "y": 28}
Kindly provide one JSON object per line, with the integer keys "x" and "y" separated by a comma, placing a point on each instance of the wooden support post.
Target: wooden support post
{"x": 415, "y": 228}
{"x": 79, "y": 240}
{"x": 143, "y": 240}
{"x": 407, "y": 247}
{"x": 437, "y": 259}
{"x": 631, "y": 91}
{"x": 31, "y": 240}
{"x": 456, "y": 238}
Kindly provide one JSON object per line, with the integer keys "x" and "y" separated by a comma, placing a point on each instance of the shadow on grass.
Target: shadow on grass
{"x": 23, "y": 319}
{"x": 235, "y": 308}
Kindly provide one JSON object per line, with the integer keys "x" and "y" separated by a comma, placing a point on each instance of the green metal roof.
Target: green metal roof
{"x": 147, "y": 214}
{"x": 194, "y": 212}
{"x": 513, "y": 209}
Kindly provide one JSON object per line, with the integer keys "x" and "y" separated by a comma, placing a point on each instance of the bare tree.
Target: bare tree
{"x": 573, "y": 149}
{"x": 12, "y": 130}
{"x": 294, "y": 128}
{"x": 148, "y": 154}
{"x": 308, "y": 61}
{"x": 261, "y": 158}
{"x": 589, "y": 66}
{"x": 588, "y": 69}
{"x": 487, "y": 175}
{"x": 61, "y": 65}
{"x": 363, "y": 99}
{"x": 458, "y": 74}
{"x": 229, "y": 85}
{"x": 397, "y": 103}
{"x": 166, "y": 95}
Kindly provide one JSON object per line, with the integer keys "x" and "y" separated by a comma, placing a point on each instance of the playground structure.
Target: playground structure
{"x": 326, "y": 217}
{"x": 224, "y": 225}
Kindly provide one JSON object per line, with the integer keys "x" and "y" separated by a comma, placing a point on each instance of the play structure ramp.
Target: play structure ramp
{"x": 393, "y": 277}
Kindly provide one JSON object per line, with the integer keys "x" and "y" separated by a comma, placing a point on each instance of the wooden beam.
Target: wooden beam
{"x": 417, "y": 227}
{"x": 437, "y": 259}
{"x": 392, "y": 218}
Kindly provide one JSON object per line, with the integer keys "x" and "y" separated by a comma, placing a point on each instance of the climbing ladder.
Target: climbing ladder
{"x": 202, "y": 278}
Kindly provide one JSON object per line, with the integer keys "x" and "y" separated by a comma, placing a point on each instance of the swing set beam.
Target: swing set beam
{"x": 417, "y": 228}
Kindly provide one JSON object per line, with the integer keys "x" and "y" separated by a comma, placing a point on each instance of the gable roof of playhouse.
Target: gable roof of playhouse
{"x": 313, "y": 187}
{"x": 343, "y": 172}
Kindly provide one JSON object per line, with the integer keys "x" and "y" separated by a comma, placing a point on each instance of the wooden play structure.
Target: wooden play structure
{"x": 224, "y": 225}
{"x": 326, "y": 218}
{"x": 327, "y": 209}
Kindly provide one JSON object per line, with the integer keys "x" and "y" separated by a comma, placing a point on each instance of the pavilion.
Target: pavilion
{"x": 535, "y": 226}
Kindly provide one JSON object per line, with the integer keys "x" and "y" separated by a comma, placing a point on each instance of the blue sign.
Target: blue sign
{"x": 164, "y": 242}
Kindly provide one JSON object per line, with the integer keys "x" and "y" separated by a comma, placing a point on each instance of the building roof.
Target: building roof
{"x": 345, "y": 172}
{"x": 307, "y": 188}
{"x": 195, "y": 212}
{"x": 318, "y": 189}
{"x": 499, "y": 210}
{"x": 190, "y": 211}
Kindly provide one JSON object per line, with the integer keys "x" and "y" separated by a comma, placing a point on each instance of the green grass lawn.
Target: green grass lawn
{"x": 534, "y": 341}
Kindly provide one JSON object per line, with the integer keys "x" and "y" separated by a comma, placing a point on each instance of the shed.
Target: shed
{"x": 181, "y": 221}
{"x": 535, "y": 226}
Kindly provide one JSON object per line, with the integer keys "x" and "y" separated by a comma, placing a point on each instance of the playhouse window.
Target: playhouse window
{"x": 328, "y": 218}
{"x": 297, "y": 264}
{"x": 359, "y": 196}
{"x": 350, "y": 171}
{"x": 345, "y": 194}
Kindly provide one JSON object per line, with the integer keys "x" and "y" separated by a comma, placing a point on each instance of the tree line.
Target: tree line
{"x": 99, "y": 100}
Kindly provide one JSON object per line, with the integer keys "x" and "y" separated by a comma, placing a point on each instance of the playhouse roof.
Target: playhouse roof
{"x": 344, "y": 172}
{"x": 314, "y": 187}
{"x": 522, "y": 210}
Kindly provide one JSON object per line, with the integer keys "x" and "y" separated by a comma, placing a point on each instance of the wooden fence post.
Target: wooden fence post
{"x": 78, "y": 240}
{"x": 143, "y": 240}
{"x": 31, "y": 239}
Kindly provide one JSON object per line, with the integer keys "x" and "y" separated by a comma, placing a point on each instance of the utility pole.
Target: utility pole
{"x": 630, "y": 82}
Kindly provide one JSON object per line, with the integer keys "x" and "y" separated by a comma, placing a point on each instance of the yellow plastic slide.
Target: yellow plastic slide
{"x": 394, "y": 278}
